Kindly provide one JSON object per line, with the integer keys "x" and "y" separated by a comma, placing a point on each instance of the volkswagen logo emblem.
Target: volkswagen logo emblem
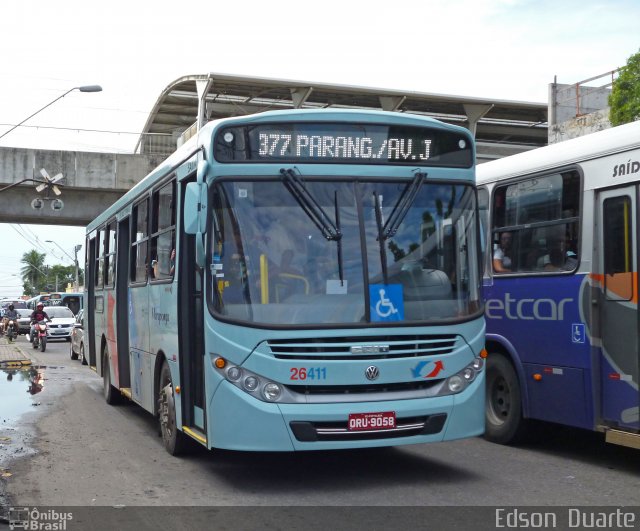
{"x": 372, "y": 372}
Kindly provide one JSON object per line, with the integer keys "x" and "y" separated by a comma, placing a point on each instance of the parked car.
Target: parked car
{"x": 24, "y": 317}
{"x": 76, "y": 349}
{"x": 62, "y": 322}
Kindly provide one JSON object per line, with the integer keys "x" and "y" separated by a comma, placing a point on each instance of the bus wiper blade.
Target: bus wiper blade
{"x": 339, "y": 240}
{"x": 402, "y": 206}
{"x": 381, "y": 237}
{"x": 310, "y": 206}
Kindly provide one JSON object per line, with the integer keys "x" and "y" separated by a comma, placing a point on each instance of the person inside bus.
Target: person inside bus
{"x": 554, "y": 260}
{"x": 559, "y": 258}
{"x": 502, "y": 254}
{"x": 172, "y": 262}
{"x": 163, "y": 269}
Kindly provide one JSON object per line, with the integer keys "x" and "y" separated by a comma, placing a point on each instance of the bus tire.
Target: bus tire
{"x": 504, "y": 423}
{"x": 175, "y": 441}
{"x": 111, "y": 395}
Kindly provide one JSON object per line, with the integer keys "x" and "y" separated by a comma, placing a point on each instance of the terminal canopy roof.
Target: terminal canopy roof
{"x": 191, "y": 101}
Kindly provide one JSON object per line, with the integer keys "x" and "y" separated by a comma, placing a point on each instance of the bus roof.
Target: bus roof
{"x": 190, "y": 148}
{"x": 332, "y": 115}
{"x": 595, "y": 145}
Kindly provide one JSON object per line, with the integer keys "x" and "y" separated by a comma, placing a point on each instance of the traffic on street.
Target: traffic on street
{"x": 61, "y": 444}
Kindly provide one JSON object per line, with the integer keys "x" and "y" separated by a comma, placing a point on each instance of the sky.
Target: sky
{"x": 498, "y": 49}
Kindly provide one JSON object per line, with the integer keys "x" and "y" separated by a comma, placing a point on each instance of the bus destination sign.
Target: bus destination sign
{"x": 343, "y": 143}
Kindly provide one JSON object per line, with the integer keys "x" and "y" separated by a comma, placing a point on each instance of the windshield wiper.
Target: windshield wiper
{"x": 339, "y": 240}
{"x": 330, "y": 230}
{"x": 381, "y": 239}
{"x": 402, "y": 206}
{"x": 400, "y": 210}
{"x": 310, "y": 206}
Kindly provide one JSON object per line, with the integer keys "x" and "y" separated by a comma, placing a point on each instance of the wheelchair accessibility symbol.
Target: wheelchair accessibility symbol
{"x": 578, "y": 334}
{"x": 385, "y": 302}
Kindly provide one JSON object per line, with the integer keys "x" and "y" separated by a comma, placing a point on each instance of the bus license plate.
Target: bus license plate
{"x": 385, "y": 420}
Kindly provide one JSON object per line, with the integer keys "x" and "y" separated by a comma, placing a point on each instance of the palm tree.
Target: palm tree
{"x": 32, "y": 271}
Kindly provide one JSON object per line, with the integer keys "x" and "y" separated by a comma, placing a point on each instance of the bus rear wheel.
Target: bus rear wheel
{"x": 175, "y": 442}
{"x": 111, "y": 394}
{"x": 73, "y": 353}
{"x": 504, "y": 423}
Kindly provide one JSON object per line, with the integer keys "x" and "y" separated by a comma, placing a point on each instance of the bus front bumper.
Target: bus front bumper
{"x": 238, "y": 421}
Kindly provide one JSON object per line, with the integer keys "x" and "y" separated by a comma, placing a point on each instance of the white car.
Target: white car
{"x": 62, "y": 322}
{"x": 24, "y": 318}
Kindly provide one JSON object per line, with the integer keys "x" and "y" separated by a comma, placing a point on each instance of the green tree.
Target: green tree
{"x": 58, "y": 276}
{"x": 38, "y": 277}
{"x": 33, "y": 271}
{"x": 624, "y": 100}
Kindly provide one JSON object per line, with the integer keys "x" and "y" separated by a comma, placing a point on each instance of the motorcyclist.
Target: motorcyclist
{"x": 10, "y": 313}
{"x": 38, "y": 315}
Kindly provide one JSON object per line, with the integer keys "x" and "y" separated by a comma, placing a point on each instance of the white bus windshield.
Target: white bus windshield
{"x": 272, "y": 263}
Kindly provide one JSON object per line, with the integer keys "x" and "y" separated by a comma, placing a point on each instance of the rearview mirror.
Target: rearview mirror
{"x": 195, "y": 208}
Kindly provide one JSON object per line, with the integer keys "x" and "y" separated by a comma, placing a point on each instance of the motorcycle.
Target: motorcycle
{"x": 39, "y": 336}
{"x": 11, "y": 331}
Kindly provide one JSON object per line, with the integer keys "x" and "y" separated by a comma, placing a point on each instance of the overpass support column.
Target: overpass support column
{"x": 474, "y": 114}
{"x": 202, "y": 86}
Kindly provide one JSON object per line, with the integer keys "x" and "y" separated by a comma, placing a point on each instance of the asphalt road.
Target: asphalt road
{"x": 87, "y": 453}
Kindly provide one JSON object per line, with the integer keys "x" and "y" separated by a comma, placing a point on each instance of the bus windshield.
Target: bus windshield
{"x": 333, "y": 259}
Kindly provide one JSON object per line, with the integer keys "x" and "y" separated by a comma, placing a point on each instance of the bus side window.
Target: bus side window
{"x": 162, "y": 238}
{"x": 139, "y": 245}
{"x": 541, "y": 213}
{"x": 483, "y": 212}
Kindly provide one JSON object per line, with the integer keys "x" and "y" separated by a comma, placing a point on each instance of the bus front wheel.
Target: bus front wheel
{"x": 174, "y": 440}
{"x": 504, "y": 423}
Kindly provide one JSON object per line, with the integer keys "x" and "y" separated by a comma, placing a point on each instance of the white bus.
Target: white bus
{"x": 562, "y": 315}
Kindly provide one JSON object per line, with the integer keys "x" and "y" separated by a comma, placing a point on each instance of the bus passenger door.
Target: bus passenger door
{"x": 191, "y": 334}
{"x": 89, "y": 282}
{"x": 123, "y": 243}
{"x": 617, "y": 299}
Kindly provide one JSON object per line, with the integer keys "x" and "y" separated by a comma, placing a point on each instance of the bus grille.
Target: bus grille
{"x": 340, "y": 348}
{"x": 338, "y": 431}
{"x": 400, "y": 387}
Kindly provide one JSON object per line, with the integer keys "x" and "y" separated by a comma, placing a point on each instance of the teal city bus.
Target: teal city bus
{"x": 296, "y": 280}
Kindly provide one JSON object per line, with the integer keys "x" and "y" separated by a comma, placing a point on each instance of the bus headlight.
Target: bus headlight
{"x": 455, "y": 383}
{"x": 250, "y": 383}
{"x": 271, "y": 391}
{"x": 458, "y": 382}
{"x": 253, "y": 384}
{"x": 469, "y": 374}
{"x": 234, "y": 373}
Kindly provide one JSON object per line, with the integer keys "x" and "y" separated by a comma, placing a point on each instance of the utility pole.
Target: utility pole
{"x": 75, "y": 250}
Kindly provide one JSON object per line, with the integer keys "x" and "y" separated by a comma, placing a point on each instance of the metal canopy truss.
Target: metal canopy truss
{"x": 189, "y": 102}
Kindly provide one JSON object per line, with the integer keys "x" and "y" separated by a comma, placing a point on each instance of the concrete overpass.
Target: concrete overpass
{"x": 93, "y": 181}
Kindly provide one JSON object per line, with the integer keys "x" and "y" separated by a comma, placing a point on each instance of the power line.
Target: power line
{"x": 88, "y": 130}
{"x": 37, "y": 242}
